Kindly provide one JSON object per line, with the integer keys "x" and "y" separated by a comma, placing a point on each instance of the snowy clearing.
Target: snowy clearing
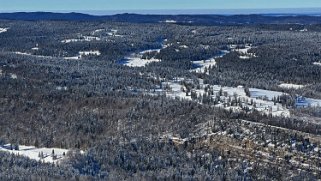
{"x": 261, "y": 93}
{"x": 134, "y": 61}
{"x": 291, "y": 86}
{"x": 114, "y": 33}
{"x": 313, "y": 102}
{"x": 202, "y": 65}
{"x": 48, "y": 155}
{"x": 244, "y": 52}
{"x": 84, "y": 53}
{"x": 260, "y": 100}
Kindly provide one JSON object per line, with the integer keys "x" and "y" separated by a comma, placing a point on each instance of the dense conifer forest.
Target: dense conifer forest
{"x": 76, "y": 85}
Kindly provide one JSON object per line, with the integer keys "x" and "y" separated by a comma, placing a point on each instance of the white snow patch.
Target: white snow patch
{"x": 113, "y": 32}
{"x": 72, "y": 58}
{"x": 261, "y": 99}
{"x": 244, "y": 52}
{"x": 22, "y": 53}
{"x": 29, "y": 54}
{"x": 97, "y": 31}
{"x": 183, "y": 46}
{"x": 81, "y": 39}
{"x": 261, "y": 93}
{"x": 13, "y": 76}
{"x": 170, "y": 21}
{"x": 174, "y": 90}
{"x": 317, "y": 63}
{"x": 203, "y": 64}
{"x": 84, "y": 53}
{"x": 3, "y": 30}
{"x": 291, "y": 86}
{"x": 244, "y": 57}
{"x": 137, "y": 61}
{"x": 313, "y": 102}
{"x": 92, "y": 52}
{"x": 91, "y": 38}
{"x": 70, "y": 40}
{"x": 39, "y": 154}
{"x": 60, "y": 88}
{"x": 150, "y": 51}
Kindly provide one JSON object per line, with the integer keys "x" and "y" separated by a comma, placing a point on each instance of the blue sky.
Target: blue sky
{"x": 92, "y": 5}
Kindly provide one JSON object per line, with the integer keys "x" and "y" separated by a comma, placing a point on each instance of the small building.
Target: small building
{"x": 300, "y": 102}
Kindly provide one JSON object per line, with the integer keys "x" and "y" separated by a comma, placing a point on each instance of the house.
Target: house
{"x": 300, "y": 102}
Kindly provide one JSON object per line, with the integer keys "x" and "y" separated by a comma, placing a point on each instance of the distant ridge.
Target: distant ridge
{"x": 31, "y": 16}
{"x": 178, "y": 19}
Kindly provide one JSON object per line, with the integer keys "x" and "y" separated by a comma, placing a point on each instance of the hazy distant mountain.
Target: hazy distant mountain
{"x": 178, "y": 19}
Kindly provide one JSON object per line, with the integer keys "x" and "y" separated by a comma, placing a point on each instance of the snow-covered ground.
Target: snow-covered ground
{"x": 81, "y": 39}
{"x": 150, "y": 51}
{"x": 204, "y": 64}
{"x": 183, "y": 46}
{"x": 170, "y": 21}
{"x": 60, "y": 88}
{"x": 260, "y": 100}
{"x": 304, "y": 30}
{"x": 317, "y": 63}
{"x": 29, "y": 54}
{"x": 175, "y": 91}
{"x": 97, "y": 31}
{"x": 2, "y": 30}
{"x": 244, "y": 52}
{"x": 72, "y": 58}
{"x": 13, "y": 76}
{"x": 79, "y": 56}
{"x": 261, "y": 93}
{"x": 92, "y": 52}
{"x": 291, "y": 86}
{"x": 313, "y": 102}
{"x": 137, "y": 61}
{"x": 40, "y": 154}
{"x": 84, "y": 53}
{"x": 114, "y": 33}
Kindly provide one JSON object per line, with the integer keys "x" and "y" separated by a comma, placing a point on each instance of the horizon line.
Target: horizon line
{"x": 241, "y": 11}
